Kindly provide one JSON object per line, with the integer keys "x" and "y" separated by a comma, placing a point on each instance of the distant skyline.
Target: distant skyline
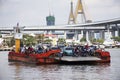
{"x": 34, "y": 12}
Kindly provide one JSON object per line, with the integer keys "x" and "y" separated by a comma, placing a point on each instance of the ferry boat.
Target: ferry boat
{"x": 55, "y": 57}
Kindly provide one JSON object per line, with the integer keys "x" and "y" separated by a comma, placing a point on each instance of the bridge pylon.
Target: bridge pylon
{"x": 80, "y": 11}
{"x": 71, "y": 19}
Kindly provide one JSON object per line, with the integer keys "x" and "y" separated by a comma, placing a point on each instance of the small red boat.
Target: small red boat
{"x": 50, "y": 57}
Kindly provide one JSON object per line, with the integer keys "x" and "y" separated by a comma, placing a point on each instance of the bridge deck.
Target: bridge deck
{"x": 70, "y": 58}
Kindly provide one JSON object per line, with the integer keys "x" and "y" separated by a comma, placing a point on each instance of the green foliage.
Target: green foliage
{"x": 40, "y": 38}
{"x": 12, "y": 41}
{"x": 97, "y": 41}
{"x": 61, "y": 40}
{"x": 100, "y": 40}
{"x": 28, "y": 40}
{"x": 9, "y": 41}
{"x": 116, "y": 39}
{"x": 83, "y": 39}
{"x": 47, "y": 41}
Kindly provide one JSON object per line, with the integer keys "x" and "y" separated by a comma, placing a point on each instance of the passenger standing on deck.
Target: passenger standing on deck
{"x": 76, "y": 51}
{"x": 40, "y": 50}
{"x": 23, "y": 49}
{"x": 86, "y": 46}
{"x": 30, "y": 49}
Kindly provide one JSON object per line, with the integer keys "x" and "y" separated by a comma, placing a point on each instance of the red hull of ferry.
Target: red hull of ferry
{"x": 49, "y": 58}
{"x": 104, "y": 56}
{"x": 43, "y": 58}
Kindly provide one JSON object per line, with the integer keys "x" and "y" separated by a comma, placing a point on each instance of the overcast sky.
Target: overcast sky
{"x": 34, "y": 12}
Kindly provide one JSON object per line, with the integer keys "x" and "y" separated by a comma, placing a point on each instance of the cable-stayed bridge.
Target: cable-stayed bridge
{"x": 101, "y": 25}
{"x": 74, "y": 27}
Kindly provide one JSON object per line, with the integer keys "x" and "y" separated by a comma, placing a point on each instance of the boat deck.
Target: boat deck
{"x": 74, "y": 59}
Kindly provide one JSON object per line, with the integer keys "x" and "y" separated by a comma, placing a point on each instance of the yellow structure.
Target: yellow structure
{"x": 18, "y": 36}
{"x": 79, "y": 10}
{"x": 17, "y": 45}
{"x": 71, "y": 16}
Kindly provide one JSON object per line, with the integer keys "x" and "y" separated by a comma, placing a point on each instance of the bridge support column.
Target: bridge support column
{"x": 45, "y": 32}
{"x": 113, "y": 33}
{"x": 108, "y": 32}
{"x": 76, "y": 35}
{"x": 87, "y": 37}
{"x": 102, "y": 34}
{"x": 50, "y": 32}
{"x": 84, "y": 33}
{"x": 80, "y": 34}
{"x": 118, "y": 30}
{"x": 91, "y": 35}
{"x": 65, "y": 34}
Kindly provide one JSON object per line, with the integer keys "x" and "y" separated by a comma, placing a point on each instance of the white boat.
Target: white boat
{"x": 109, "y": 43}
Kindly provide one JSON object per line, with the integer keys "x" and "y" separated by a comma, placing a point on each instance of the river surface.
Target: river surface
{"x": 22, "y": 71}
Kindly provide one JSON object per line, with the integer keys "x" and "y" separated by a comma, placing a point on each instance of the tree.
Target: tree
{"x": 94, "y": 41}
{"x": 12, "y": 41}
{"x": 61, "y": 40}
{"x": 116, "y": 39}
{"x": 47, "y": 41}
{"x": 40, "y": 38}
{"x": 83, "y": 39}
{"x": 100, "y": 41}
{"x": 28, "y": 40}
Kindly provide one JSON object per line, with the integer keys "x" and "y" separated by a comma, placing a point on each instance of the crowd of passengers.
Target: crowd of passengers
{"x": 31, "y": 49}
{"x": 77, "y": 50}
{"x": 84, "y": 50}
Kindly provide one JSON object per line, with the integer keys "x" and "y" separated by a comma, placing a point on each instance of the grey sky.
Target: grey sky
{"x": 34, "y": 12}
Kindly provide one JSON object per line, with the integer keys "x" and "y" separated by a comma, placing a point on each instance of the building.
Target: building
{"x": 50, "y": 20}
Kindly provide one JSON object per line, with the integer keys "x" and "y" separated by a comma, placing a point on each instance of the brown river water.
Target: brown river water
{"x": 22, "y": 71}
